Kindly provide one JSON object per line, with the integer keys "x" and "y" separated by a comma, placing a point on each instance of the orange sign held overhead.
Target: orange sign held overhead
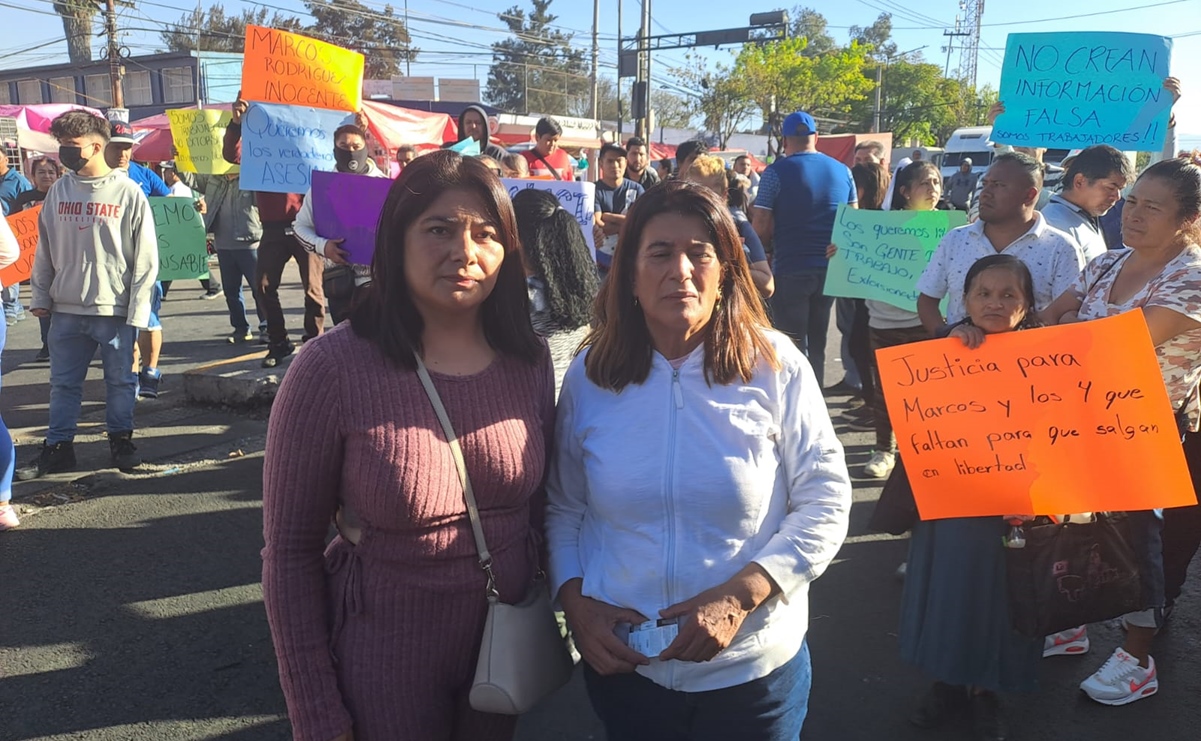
{"x": 25, "y": 226}
{"x": 1065, "y": 419}
{"x": 283, "y": 67}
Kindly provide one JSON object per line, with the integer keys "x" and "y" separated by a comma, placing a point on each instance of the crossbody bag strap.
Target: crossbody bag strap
{"x": 553, "y": 171}
{"x": 473, "y": 510}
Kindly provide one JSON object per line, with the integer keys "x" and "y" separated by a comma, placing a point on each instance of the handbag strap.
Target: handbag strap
{"x": 473, "y": 511}
{"x": 553, "y": 171}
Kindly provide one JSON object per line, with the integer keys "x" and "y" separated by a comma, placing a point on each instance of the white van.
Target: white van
{"x": 971, "y": 142}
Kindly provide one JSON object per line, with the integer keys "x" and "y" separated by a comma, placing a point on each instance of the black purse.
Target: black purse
{"x": 1072, "y": 574}
{"x": 896, "y": 510}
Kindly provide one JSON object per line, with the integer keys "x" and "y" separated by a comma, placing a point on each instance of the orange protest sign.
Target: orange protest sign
{"x": 1064, "y": 419}
{"x": 282, "y": 67}
{"x": 25, "y": 226}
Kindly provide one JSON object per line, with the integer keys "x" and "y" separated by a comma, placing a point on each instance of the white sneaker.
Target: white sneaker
{"x": 1071, "y": 642}
{"x": 1121, "y": 681}
{"x": 880, "y": 465}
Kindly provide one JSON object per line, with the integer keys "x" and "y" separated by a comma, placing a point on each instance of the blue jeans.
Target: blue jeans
{"x": 802, "y": 311}
{"x": 772, "y": 708}
{"x": 12, "y": 301}
{"x": 73, "y": 343}
{"x": 237, "y": 265}
{"x": 8, "y": 451}
{"x": 844, "y": 319}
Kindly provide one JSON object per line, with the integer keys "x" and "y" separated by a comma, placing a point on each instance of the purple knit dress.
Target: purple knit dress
{"x": 383, "y": 636}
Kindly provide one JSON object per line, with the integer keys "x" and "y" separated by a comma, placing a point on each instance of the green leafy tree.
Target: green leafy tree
{"x": 213, "y": 30}
{"x": 877, "y": 37}
{"x": 782, "y": 79}
{"x": 537, "y": 69}
{"x": 812, "y": 26}
{"x": 673, "y": 111}
{"x": 379, "y": 34}
{"x": 917, "y": 103}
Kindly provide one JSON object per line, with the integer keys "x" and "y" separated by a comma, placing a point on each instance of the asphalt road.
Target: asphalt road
{"x": 132, "y": 608}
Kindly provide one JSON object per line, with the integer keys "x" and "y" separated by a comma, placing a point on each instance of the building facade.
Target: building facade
{"x": 151, "y": 83}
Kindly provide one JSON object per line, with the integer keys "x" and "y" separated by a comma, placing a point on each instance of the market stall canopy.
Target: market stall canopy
{"x": 33, "y": 123}
{"x": 507, "y": 129}
{"x": 390, "y": 125}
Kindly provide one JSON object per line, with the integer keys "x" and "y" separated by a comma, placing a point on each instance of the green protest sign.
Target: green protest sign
{"x": 181, "y": 247}
{"x": 881, "y": 254}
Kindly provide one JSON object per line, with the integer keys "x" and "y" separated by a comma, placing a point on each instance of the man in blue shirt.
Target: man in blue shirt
{"x": 12, "y": 183}
{"x": 118, "y": 155}
{"x": 615, "y": 193}
{"x": 799, "y": 195}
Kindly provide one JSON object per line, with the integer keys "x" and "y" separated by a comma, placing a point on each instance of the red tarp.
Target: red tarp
{"x": 842, "y": 146}
{"x": 390, "y": 125}
{"x": 33, "y": 123}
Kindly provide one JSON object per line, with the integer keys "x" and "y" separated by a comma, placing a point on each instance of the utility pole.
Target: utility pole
{"x": 114, "y": 54}
{"x": 879, "y": 97}
{"x": 642, "y": 85}
{"x": 946, "y": 71}
{"x": 595, "y": 58}
{"x": 620, "y": 99}
{"x": 408, "y": 47}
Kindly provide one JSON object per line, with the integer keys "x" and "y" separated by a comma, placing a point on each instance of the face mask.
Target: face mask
{"x": 348, "y": 161}
{"x": 72, "y": 158}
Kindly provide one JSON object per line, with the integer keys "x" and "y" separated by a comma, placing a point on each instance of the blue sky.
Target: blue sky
{"x": 454, "y": 35}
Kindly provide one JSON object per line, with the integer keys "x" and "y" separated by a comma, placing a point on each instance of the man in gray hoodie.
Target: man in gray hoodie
{"x": 94, "y": 273}
{"x": 473, "y": 123}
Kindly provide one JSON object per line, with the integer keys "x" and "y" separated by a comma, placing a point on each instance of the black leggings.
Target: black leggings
{"x": 1182, "y": 527}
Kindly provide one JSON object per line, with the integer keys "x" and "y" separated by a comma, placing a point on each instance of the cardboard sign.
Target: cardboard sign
{"x": 1073, "y": 90}
{"x": 881, "y": 254}
{"x": 347, "y": 207}
{"x": 25, "y": 228}
{"x": 287, "y": 68}
{"x": 182, "y": 252}
{"x": 282, "y": 145}
{"x": 198, "y": 137}
{"x": 1066, "y": 419}
{"x": 579, "y": 199}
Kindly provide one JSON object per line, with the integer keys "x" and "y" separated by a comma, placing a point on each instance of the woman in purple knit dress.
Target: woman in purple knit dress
{"x": 377, "y": 634}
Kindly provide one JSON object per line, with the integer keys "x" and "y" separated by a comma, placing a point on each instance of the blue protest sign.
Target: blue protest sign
{"x": 1074, "y": 90}
{"x": 282, "y": 144}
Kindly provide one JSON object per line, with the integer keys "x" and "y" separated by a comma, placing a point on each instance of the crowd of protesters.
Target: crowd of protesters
{"x": 644, "y": 421}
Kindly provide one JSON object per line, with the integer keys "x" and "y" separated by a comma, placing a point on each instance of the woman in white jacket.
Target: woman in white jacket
{"x": 697, "y": 482}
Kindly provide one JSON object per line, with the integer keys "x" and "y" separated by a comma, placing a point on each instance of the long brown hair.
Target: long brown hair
{"x": 620, "y": 343}
{"x": 386, "y": 314}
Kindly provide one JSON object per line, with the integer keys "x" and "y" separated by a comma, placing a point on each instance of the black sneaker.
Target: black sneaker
{"x": 56, "y": 458}
{"x": 43, "y": 355}
{"x": 276, "y": 353}
{"x": 939, "y": 704}
{"x": 987, "y": 720}
{"x": 124, "y": 452}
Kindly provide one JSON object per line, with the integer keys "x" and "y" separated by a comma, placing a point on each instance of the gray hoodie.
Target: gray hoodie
{"x": 97, "y": 249}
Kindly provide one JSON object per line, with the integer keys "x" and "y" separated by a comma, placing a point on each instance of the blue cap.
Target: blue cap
{"x": 799, "y": 124}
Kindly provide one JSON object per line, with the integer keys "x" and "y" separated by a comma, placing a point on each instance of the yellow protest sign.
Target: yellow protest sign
{"x": 198, "y": 138}
{"x": 1065, "y": 419}
{"x": 283, "y": 67}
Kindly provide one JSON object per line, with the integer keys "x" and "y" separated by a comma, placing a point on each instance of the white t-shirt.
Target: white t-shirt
{"x": 181, "y": 190}
{"x": 1054, "y": 259}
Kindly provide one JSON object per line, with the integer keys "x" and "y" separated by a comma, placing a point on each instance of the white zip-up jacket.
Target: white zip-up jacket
{"x": 671, "y": 487}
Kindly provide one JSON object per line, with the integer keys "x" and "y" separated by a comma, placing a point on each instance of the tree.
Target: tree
{"x": 379, "y": 34}
{"x": 877, "y": 37}
{"x": 812, "y": 26}
{"x": 215, "y": 31}
{"x": 723, "y": 98}
{"x": 78, "y": 17}
{"x": 782, "y": 79}
{"x": 672, "y": 111}
{"x": 537, "y": 69}
{"x": 918, "y": 103}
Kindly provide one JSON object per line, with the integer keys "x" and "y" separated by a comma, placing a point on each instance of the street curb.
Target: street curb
{"x": 239, "y": 382}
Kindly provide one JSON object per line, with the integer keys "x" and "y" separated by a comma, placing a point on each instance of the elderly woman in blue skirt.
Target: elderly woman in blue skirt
{"x": 955, "y": 612}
